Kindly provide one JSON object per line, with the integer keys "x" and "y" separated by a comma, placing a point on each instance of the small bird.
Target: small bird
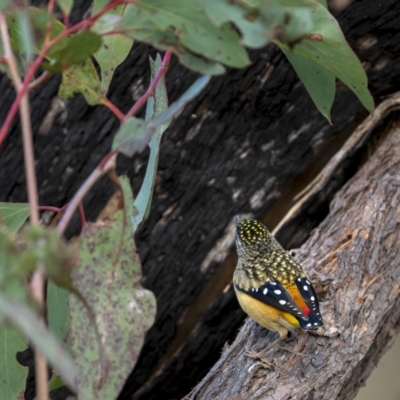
{"x": 270, "y": 285}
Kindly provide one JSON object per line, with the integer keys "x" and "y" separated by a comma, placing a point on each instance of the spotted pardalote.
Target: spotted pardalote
{"x": 271, "y": 286}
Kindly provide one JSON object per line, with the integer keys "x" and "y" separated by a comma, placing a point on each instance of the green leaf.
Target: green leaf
{"x": 319, "y": 82}
{"x": 4, "y": 3}
{"x": 250, "y": 22}
{"x": 323, "y": 2}
{"x": 74, "y": 50}
{"x": 98, "y": 5}
{"x": 13, "y": 374}
{"x": 328, "y": 48}
{"x": 115, "y": 47}
{"x": 13, "y": 215}
{"x": 82, "y": 78}
{"x": 39, "y": 19}
{"x": 135, "y": 134}
{"x": 26, "y": 37}
{"x": 109, "y": 278}
{"x": 167, "y": 40}
{"x": 196, "y": 32}
{"x": 33, "y": 329}
{"x": 261, "y": 22}
{"x": 66, "y": 5}
{"x": 155, "y": 105}
{"x": 57, "y": 312}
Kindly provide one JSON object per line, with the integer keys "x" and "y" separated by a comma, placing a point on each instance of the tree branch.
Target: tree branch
{"x": 352, "y": 259}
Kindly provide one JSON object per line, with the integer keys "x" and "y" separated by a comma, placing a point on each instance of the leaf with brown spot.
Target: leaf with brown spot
{"x": 109, "y": 278}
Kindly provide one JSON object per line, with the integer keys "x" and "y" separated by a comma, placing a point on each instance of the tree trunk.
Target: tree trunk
{"x": 352, "y": 259}
{"x": 246, "y": 145}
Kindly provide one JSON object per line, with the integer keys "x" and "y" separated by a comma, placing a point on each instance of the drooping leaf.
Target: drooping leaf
{"x": 38, "y": 19}
{"x": 66, "y": 5}
{"x": 13, "y": 215}
{"x": 155, "y": 105}
{"x": 196, "y": 32}
{"x": 19, "y": 257}
{"x": 266, "y": 20}
{"x": 135, "y": 134}
{"x": 168, "y": 40}
{"x": 115, "y": 48}
{"x": 109, "y": 278}
{"x": 82, "y": 78}
{"x": 33, "y": 329}
{"x": 74, "y": 50}
{"x": 58, "y": 313}
{"x": 328, "y": 48}
{"x": 26, "y": 37}
{"x": 246, "y": 18}
{"x": 319, "y": 82}
{"x": 4, "y": 3}
{"x": 13, "y": 374}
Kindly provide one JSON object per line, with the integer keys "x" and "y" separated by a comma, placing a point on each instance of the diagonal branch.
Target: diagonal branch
{"x": 352, "y": 258}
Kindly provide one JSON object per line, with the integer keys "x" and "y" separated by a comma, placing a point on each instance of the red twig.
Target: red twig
{"x": 82, "y": 215}
{"x": 149, "y": 92}
{"x": 88, "y": 22}
{"x": 50, "y": 208}
{"x": 38, "y": 81}
{"x": 111, "y": 106}
{"x": 107, "y": 164}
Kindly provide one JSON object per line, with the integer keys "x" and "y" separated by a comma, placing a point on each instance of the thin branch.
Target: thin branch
{"x": 82, "y": 215}
{"x": 37, "y": 282}
{"x": 101, "y": 169}
{"x": 149, "y": 92}
{"x": 112, "y": 107}
{"x": 38, "y": 81}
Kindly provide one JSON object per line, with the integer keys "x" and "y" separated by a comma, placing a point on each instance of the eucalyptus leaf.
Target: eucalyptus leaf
{"x": 13, "y": 374}
{"x": 75, "y": 49}
{"x": 261, "y": 22}
{"x": 66, "y": 5}
{"x": 13, "y": 215}
{"x": 58, "y": 313}
{"x": 82, "y": 78}
{"x": 135, "y": 134}
{"x": 319, "y": 82}
{"x": 196, "y": 32}
{"x": 26, "y": 35}
{"x": 327, "y": 48}
{"x": 4, "y": 3}
{"x": 109, "y": 278}
{"x": 168, "y": 40}
{"x": 33, "y": 329}
{"x": 156, "y": 104}
{"x": 115, "y": 47}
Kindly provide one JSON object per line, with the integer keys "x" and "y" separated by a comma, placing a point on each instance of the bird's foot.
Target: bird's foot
{"x": 260, "y": 356}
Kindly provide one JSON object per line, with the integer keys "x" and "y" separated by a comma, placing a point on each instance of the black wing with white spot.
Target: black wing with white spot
{"x": 310, "y": 298}
{"x": 274, "y": 294}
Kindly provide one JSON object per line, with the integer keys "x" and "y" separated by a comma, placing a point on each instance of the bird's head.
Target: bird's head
{"x": 252, "y": 236}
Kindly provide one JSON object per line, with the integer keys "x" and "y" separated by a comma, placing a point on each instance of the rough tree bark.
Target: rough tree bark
{"x": 353, "y": 260}
{"x": 237, "y": 149}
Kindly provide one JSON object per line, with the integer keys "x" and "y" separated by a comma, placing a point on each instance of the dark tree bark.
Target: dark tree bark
{"x": 353, "y": 260}
{"x": 242, "y": 147}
